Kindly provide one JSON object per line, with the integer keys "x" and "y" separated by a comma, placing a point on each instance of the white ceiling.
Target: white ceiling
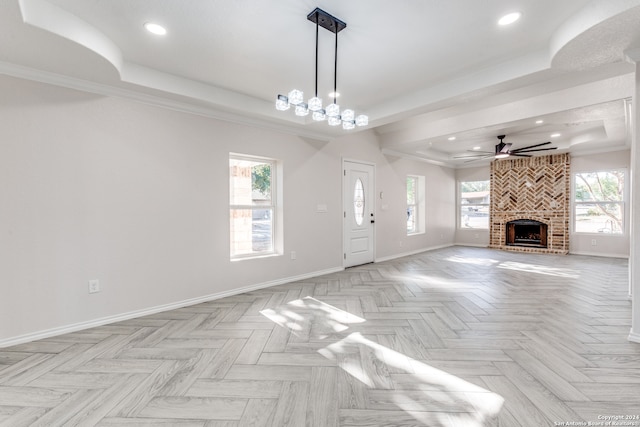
{"x": 422, "y": 71}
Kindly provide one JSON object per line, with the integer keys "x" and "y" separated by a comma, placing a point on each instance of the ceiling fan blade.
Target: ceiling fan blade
{"x": 520, "y": 155}
{"x": 479, "y": 158}
{"x": 472, "y": 157}
{"x": 531, "y": 146}
{"x": 537, "y": 149}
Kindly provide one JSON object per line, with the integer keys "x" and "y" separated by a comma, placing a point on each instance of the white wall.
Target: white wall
{"x": 606, "y": 245}
{"x": 465, "y": 236}
{"x": 136, "y": 196}
{"x": 392, "y": 209}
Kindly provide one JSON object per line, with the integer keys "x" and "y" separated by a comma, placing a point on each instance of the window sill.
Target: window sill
{"x": 248, "y": 257}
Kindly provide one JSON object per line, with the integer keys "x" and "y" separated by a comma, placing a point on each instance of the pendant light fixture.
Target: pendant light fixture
{"x": 331, "y": 112}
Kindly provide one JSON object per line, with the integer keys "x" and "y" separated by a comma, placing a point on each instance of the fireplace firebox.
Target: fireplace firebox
{"x": 526, "y": 232}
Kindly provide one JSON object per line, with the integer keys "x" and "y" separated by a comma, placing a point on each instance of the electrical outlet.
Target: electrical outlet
{"x": 293, "y": 255}
{"x": 94, "y": 286}
{"x": 594, "y": 242}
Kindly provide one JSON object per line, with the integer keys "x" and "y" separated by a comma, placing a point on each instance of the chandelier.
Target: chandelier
{"x": 331, "y": 112}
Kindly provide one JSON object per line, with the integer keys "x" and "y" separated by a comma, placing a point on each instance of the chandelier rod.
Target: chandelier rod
{"x": 335, "y": 72}
{"x": 317, "y": 27}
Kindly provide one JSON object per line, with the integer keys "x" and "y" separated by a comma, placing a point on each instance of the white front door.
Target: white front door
{"x": 359, "y": 210}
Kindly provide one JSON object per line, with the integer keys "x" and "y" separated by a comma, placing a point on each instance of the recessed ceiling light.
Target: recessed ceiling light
{"x": 555, "y": 135}
{"x": 156, "y": 29}
{"x": 451, "y": 138}
{"x": 539, "y": 122}
{"x": 476, "y": 148}
{"x": 334, "y": 94}
{"x": 509, "y": 18}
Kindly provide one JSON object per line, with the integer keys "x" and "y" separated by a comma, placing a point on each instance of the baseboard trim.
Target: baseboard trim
{"x": 473, "y": 245}
{"x": 418, "y": 251}
{"x": 600, "y": 254}
{"x": 48, "y": 333}
{"x": 633, "y": 337}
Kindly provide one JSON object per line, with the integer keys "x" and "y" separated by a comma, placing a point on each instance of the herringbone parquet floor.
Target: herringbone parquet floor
{"x": 453, "y": 337}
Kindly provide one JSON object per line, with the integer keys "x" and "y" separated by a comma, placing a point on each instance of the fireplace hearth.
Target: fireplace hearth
{"x": 526, "y": 232}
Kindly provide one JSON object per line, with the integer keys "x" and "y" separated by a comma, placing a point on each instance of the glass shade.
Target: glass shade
{"x": 348, "y": 115}
{"x": 334, "y": 120}
{"x": 315, "y": 104}
{"x": 330, "y": 112}
{"x": 282, "y": 103}
{"x": 302, "y": 110}
{"x": 319, "y": 115}
{"x": 333, "y": 110}
{"x": 296, "y": 97}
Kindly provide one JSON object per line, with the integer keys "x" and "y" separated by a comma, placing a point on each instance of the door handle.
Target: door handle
{"x": 373, "y": 221}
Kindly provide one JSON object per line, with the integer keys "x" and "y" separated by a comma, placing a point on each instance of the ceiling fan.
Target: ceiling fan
{"x": 503, "y": 150}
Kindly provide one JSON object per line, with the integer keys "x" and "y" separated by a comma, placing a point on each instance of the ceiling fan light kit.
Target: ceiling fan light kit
{"x": 331, "y": 112}
{"x": 503, "y": 151}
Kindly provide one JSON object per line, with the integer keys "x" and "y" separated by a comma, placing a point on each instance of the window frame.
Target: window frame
{"x": 273, "y": 205}
{"x": 419, "y": 204}
{"x": 622, "y": 203}
{"x": 480, "y": 205}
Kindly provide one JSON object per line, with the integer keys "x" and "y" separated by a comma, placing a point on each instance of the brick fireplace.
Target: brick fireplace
{"x": 529, "y": 207}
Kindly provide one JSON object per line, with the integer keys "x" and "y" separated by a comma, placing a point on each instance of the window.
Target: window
{"x": 412, "y": 207}
{"x": 474, "y": 204}
{"x": 415, "y": 204}
{"x": 252, "y": 206}
{"x": 599, "y": 202}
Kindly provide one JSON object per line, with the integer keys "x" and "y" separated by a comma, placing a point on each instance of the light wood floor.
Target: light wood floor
{"x": 453, "y": 337}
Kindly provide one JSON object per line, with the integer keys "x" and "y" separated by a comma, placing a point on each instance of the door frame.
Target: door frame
{"x": 344, "y": 208}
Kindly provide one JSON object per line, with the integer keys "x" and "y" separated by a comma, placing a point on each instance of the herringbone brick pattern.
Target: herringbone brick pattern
{"x": 453, "y": 337}
{"x": 532, "y": 184}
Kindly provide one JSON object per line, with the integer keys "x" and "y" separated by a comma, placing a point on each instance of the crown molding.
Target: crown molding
{"x": 40, "y": 76}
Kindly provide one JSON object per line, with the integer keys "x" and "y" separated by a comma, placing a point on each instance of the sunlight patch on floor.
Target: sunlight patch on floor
{"x": 433, "y": 282}
{"x": 393, "y": 379}
{"x": 432, "y": 389}
{"x": 296, "y": 314}
{"x": 488, "y": 262}
{"x": 539, "y": 269}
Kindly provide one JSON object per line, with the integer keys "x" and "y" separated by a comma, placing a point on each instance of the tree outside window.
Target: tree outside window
{"x": 599, "y": 202}
{"x": 474, "y": 204}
